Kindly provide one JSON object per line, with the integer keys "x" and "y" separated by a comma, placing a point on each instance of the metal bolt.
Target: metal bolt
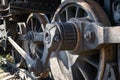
{"x": 47, "y": 37}
{"x": 56, "y": 39}
{"x": 89, "y": 36}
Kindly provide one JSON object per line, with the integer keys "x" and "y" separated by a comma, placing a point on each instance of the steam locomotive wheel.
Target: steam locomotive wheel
{"x": 66, "y": 65}
{"x": 35, "y": 24}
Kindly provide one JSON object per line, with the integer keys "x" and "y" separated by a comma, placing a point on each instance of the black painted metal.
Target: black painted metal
{"x": 34, "y": 6}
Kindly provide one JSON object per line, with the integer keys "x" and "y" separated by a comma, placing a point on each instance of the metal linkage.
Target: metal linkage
{"x": 33, "y": 65}
{"x": 85, "y": 35}
{"x": 34, "y": 36}
{"x": 22, "y": 52}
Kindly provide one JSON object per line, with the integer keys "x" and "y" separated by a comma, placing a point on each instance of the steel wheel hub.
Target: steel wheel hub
{"x": 61, "y": 34}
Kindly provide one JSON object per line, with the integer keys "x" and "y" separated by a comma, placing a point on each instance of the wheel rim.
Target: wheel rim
{"x": 79, "y": 67}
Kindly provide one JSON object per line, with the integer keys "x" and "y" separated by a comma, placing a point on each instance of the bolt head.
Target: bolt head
{"x": 47, "y": 37}
{"x": 89, "y": 36}
{"x": 56, "y": 39}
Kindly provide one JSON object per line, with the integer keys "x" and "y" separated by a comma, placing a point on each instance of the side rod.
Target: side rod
{"x": 28, "y": 60}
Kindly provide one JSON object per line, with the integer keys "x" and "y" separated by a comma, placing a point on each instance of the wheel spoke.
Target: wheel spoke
{"x": 31, "y": 24}
{"x": 91, "y": 61}
{"x": 63, "y": 57}
{"x": 59, "y": 19}
{"x": 77, "y": 10}
{"x": 67, "y": 16}
{"x": 35, "y": 25}
{"x": 60, "y": 72}
{"x": 86, "y": 70}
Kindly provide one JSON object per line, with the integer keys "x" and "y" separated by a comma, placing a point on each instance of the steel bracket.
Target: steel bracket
{"x": 99, "y": 35}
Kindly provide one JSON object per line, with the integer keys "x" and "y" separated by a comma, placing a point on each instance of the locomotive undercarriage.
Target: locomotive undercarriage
{"x": 75, "y": 41}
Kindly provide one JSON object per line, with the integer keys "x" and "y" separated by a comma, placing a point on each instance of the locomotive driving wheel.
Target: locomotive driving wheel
{"x": 68, "y": 65}
{"x": 35, "y": 24}
{"x": 33, "y": 43}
